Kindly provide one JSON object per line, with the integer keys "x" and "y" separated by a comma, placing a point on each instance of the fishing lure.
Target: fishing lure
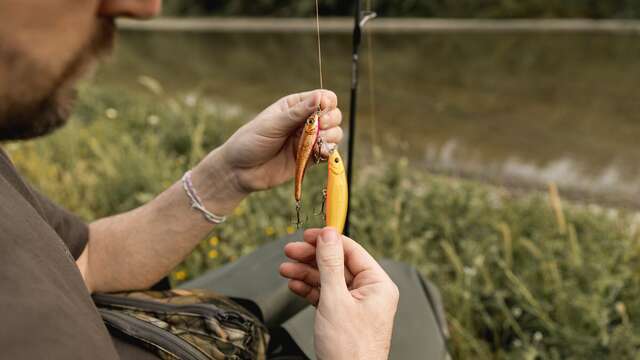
{"x": 337, "y": 192}
{"x": 307, "y": 145}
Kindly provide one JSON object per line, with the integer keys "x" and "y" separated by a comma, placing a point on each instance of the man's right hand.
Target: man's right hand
{"x": 356, "y": 300}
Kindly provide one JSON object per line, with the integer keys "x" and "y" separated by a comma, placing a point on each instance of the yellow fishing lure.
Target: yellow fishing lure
{"x": 337, "y": 200}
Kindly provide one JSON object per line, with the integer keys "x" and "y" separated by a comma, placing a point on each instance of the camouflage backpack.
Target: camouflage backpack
{"x": 185, "y": 324}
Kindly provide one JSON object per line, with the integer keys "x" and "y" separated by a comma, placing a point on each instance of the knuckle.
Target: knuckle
{"x": 394, "y": 292}
{"x": 334, "y": 133}
{"x": 331, "y": 261}
{"x": 307, "y": 276}
{"x": 338, "y": 115}
{"x": 331, "y": 96}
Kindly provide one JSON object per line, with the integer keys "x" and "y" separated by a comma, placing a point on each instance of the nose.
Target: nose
{"x": 137, "y": 9}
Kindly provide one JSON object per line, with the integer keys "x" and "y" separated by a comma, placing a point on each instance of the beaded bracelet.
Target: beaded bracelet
{"x": 196, "y": 203}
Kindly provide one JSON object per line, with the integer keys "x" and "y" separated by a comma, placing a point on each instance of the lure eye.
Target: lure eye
{"x": 336, "y": 160}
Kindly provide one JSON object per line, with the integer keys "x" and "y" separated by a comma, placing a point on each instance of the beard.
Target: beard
{"x": 41, "y": 116}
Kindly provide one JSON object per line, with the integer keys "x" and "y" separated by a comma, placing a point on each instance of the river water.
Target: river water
{"x": 522, "y": 109}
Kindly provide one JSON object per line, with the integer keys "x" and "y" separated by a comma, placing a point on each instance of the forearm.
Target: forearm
{"x": 136, "y": 249}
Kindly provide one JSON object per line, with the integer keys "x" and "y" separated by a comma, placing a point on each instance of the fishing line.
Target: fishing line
{"x": 371, "y": 71}
{"x": 319, "y": 47}
{"x": 317, "y": 139}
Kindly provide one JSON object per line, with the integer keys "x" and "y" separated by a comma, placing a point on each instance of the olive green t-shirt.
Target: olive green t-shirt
{"x": 46, "y": 311}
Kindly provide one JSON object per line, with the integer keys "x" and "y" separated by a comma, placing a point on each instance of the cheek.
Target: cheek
{"x": 38, "y": 41}
{"x": 50, "y": 32}
{"x": 23, "y": 82}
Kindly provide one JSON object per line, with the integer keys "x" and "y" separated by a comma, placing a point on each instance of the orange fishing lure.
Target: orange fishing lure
{"x": 337, "y": 188}
{"x": 306, "y": 147}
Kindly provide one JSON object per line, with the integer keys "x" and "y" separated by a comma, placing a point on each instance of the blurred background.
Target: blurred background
{"x": 521, "y": 108}
{"x": 414, "y": 8}
{"x": 497, "y": 155}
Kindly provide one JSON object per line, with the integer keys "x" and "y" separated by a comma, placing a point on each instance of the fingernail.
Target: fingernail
{"x": 328, "y": 236}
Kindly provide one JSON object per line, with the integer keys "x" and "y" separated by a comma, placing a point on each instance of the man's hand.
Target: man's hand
{"x": 261, "y": 154}
{"x": 157, "y": 236}
{"x": 356, "y": 300}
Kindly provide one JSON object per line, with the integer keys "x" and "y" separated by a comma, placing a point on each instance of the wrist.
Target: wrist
{"x": 217, "y": 185}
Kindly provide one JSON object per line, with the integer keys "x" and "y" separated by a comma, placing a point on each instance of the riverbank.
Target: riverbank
{"x": 381, "y": 25}
{"x": 519, "y": 109}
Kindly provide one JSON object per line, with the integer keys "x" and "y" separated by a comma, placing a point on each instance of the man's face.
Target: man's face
{"x": 45, "y": 45}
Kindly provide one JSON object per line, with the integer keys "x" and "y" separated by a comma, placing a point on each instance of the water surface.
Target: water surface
{"x": 520, "y": 109}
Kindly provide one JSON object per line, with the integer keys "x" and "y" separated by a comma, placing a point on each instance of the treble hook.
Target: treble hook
{"x": 317, "y": 154}
{"x": 324, "y": 202}
{"x": 298, "y": 208}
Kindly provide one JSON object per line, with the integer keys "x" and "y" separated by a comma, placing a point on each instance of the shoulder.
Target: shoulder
{"x": 9, "y": 177}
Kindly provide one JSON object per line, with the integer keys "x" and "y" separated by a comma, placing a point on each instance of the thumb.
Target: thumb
{"x": 330, "y": 260}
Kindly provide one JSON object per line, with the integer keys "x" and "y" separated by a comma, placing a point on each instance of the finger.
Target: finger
{"x": 327, "y": 99}
{"x": 295, "y": 115}
{"x": 311, "y": 294}
{"x": 300, "y": 251}
{"x": 330, "y": 260}
{"x": 326, "y": 149}
{"x": 292, "y": 110}
{"x": 311, "y": 235}
{"x": 302, "y": 272}
{"x": 331, "y": 136}
{"x": 331, "y": 119}
{"x": 308, "y": 272}
{"x": 356, "y": 258}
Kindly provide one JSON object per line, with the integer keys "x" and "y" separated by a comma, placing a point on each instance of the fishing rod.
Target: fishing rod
{"x": 360, "y": 20}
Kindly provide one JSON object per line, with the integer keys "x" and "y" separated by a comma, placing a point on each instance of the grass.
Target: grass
{"x": 522, "y": 275}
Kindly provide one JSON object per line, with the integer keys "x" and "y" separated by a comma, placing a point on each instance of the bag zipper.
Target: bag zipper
{"x": 192, "y": 309}
{"x": 152, "y": 335}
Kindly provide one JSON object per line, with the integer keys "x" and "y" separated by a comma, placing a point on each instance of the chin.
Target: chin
{"x": 31, "y": 119}
{"x": 38, "y": 119}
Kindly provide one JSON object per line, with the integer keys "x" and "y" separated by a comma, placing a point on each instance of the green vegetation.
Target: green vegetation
{"x": 415, "y": 8}
{"x": 522, "y": 278}
{"x": 495, "y": 100}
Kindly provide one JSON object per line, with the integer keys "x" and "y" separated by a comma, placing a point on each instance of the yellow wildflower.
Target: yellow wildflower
{"x": 238, "y": 210}
{"x": 213, "y": 253}
{"x": 214, "y": 241}
{"x": 269, "y": 231}
{"x": 181, "y": 275}
{"x": 290, "y": 229}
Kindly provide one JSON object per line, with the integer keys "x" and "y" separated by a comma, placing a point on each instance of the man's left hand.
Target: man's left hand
{"x": 261, "y": 154}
